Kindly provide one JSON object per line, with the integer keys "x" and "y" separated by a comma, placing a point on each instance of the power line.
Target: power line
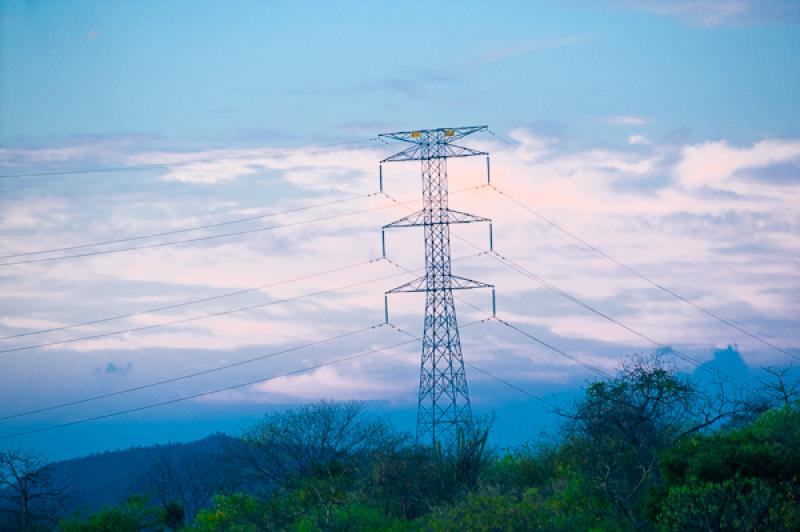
{"x": 187, "y": 229}
{"x": 561, "y": 352}
{"x": 512, "y": 385}
{"x": 203, "y": 394}
{"x": 728, "y": 322}
{"x": 163, "y": 166}
{"x": 215, "y": 391}
{"x": 210, "y": 315}
{"x": 545, "y": 344}
{"x": 189, "y": 375}
{"x": 485, "y": 372}
{"x": 197, "y": 318}
{"x": 202, "y": 238}
{"x": 527, "y": 273}
{"x": 687, "y": 245}
{"x": 217, "y": 236}
{"x": 645, "y": 278}
{"x": 191, "y": 302}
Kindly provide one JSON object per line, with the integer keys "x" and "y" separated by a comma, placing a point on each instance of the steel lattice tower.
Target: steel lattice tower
{"x": 444, "y": 407}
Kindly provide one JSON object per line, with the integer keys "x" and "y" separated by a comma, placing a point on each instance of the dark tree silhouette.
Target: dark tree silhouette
{"x": 30, "y": 498}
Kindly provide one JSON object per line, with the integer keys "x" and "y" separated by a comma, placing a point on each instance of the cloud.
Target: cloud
{"x": 638, "y": 140}
{"x": 42, "y": 213}
{"x": 779, "y": 174}
{"x": 663, "y": 208}
{"x": 714, "y": 13}
{"x": 331, "y": 382}
{"x": 528, "y": 47}
{"x": 713, "y": 164}
{"x": 628, "y": 120}
{"x": 312, "y": 167}
{"x": 28, "y": 323}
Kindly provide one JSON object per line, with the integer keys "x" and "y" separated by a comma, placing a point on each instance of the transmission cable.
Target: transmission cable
{"x": 190, "y": 375}
{"x": 197, "y": 318}
{"x": 187, "y": 229}
{"x": 215, "y": 391}
{"x": 206, "y": 316}
{"x": 647, "y": 279}
{"x": 191, "y": 302}
{"x": 485, "y": 372}
{"x": 541, "y": 342}
{"x": 164, "y": 166}
{"x": 649, "y": 225}
{"x": 527, "y": 273}
{"x": 203, "y": 238}
{"x": 203, "y": 394}
{"x": 513, "y": 386}
{"x": 217, "y": 236}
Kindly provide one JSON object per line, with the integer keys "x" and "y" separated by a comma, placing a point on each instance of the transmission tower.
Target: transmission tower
{"x": 444, "y": 408}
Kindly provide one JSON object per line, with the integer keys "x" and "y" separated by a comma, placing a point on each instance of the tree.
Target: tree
{"x": 177, "y": 478}
{"x": 411, "y": 479}
{"x": 320, "y": 440}
{"x": 30, "y": 497}
{"x": 781, "y": 386}
{"x": 617, "y": 430}
{"x": 134, "y": 515}
{"x": 741, "y": 478}
{"x": 309, "y": 464}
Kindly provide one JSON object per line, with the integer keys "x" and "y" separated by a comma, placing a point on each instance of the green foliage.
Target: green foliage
{"x": 519, "y": 469}
{"x": 634, "y": 455}
{"x": 135, "y": 515}
{"x": 734, "y": 504}
{"x": 238, "y": 512}
{"x": 617, "y": 430}
{"x": 740, "y": 479}
{"x": 528, "y": 511}
{"x": 317, "y": 505}
{"x": 768, "y": 448}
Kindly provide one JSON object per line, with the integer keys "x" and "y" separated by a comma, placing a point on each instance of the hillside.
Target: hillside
{"x": 109, "y": 478}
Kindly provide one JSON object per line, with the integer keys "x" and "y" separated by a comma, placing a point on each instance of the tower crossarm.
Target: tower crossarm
{"x": 422, "y": 136}
{"x": 421, "y": 284}
{"x": 448, "y": 216}
{"x": 420, "y": 152}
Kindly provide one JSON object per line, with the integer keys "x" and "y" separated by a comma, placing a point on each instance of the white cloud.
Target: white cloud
{"x": 628, "y": 120}
{"x": 714, "y": 163}
{"x": 332, "y": 382}
{"x": 28, "y": 323}
{"x": 311, "y": 167}
{"x": 720, "y": 12}
{"x": 522, "y": 48}
{"x": 638, "y": 140}
{"x": 599, "y": 194}
{"x": 38, "y": 214}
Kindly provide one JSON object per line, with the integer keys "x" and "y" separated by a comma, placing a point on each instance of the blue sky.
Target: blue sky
{"x": 204, "y": 72}
{"x": 666, "y": 132}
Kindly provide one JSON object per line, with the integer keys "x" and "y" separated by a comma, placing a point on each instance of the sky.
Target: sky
{"x": 645, "y": 163}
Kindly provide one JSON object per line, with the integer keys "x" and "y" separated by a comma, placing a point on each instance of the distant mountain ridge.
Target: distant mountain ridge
{"x": 108, "y": 478}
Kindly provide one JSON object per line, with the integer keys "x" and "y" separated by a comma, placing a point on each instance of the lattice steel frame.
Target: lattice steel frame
{"x": 444, "y": 407}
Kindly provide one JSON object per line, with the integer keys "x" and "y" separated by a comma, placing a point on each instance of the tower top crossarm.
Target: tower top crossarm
{"x": 433, "y": 143}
